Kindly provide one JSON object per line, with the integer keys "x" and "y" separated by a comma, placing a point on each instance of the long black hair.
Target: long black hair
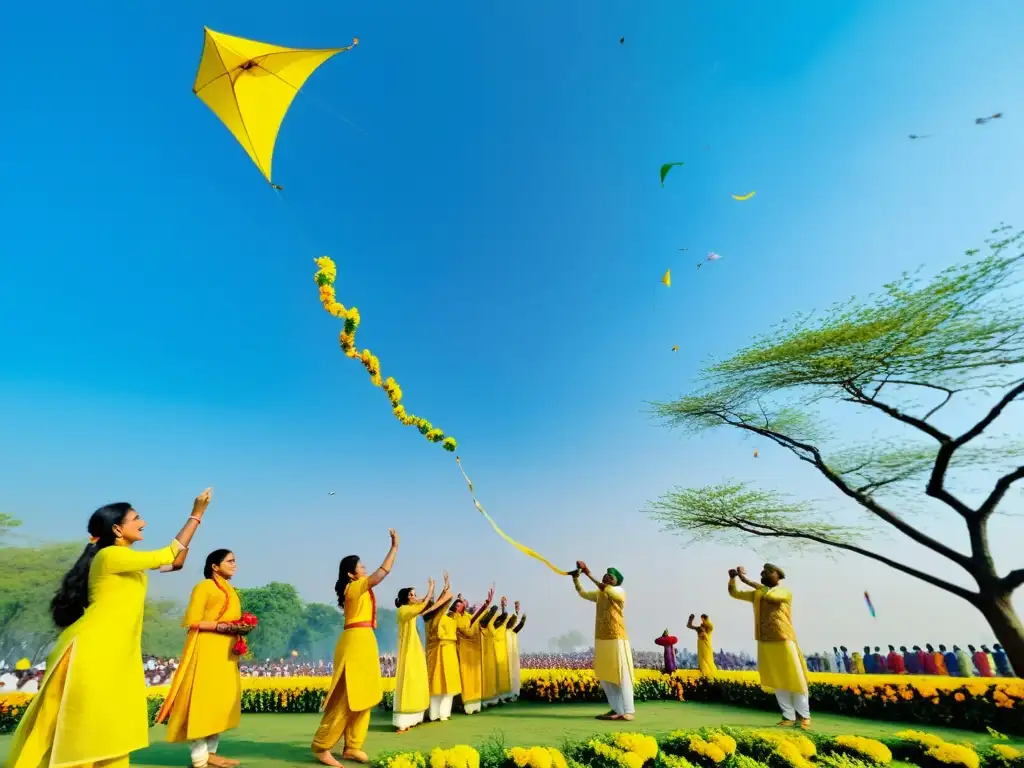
{"x": 403, "y": 596}
{"x": 216, "y": 557}
{"x": 348, "y": 565}
{"x": 72, "y": 597}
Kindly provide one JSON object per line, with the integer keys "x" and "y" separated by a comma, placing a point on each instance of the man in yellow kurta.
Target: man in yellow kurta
{"x": 613, "y": 658}
{"x": 781, "y": 665}
{"x": 442, "y": 660}
{"x": 470, "y": 653}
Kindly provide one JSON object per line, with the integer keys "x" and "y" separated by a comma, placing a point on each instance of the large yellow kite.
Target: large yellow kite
{"x": 250, "y": 85}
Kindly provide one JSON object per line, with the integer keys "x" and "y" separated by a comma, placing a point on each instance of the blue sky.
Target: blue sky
{"x": 498, "y": 221}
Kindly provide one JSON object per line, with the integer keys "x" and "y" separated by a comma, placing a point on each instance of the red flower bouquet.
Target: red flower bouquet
{"x": 240, "y": 648}
{"x": 249, "y": 620}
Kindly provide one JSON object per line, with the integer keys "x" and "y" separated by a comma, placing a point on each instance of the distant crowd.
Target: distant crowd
{"x": 954, "y": 662}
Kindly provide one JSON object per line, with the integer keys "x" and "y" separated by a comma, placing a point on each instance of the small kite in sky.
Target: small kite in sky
{"x": 682, "y": 249}
{"x": 983, "y": 120}
{"x": 755, "y": 454}
{"x": 871, "y": 608}
{"x": 667, "y": 278}
{"x": 675, "y": 349}
{"x": 915, "y": 136}
{"x": 330, "y": 493}
{"x": 712, "y": 256}
{"x": 741, "y": 198}
{"x": 666, "y": 168}
{"x": 622, "y": 40}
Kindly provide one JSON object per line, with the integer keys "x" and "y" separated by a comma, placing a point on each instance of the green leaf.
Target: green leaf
{"x": 665, "y": 169}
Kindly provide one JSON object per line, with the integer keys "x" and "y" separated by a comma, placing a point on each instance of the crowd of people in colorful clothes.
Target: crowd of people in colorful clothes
{"x": 954, "y": 662}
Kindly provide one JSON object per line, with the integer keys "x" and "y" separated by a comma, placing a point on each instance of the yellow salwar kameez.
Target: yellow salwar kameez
{"x": 443, "y": 663}
{"x": 780, "y": 663}
{"x": 412, "y": 688}
{"x": 205, "y": 698}
{"x": 91, "y": 707}
{"x": 515, "y": 672}
{"x": 356, "y": 687}
{"x": 488, "y": 661}
{"x": 858, "y": 663}
{"x": 503, "y": 672}
{"x": 470, "y": 663}
{"x": 705, "y": 650}
{"x": 613, "y": 657}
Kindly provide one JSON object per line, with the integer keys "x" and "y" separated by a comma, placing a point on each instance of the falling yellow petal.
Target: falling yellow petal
{"x": 755, "y": 454}
{"x": 675, "y": 349}
{"x": 250, "y": 85}
{"x": 744, "y": 197}
{"x": 667, "y": 278}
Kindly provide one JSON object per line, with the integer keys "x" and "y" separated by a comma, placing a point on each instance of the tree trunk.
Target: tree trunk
{"x": 1009, "y": 631}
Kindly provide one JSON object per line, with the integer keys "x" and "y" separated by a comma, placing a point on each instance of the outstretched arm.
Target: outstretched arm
{"x": 585, "y": 594}
{"x": 486, "y": 604}
{"x": 689, "y": 623}
{"x": 522, "y": 623}
{"x": 389, "y": 562}
{"x": 489, "y": 616}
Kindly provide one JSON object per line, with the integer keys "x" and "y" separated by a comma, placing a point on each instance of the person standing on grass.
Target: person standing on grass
{"x": 91, "y": 708}
{"x": 470, "y": 653}
{"x": 442, "y": 659}
{"x": 895, "y": 661}
{"x": 613, "y": 658}
{"x": 355, "y": 687}
{"x": 780, "y": 663}
{"x": 515, "y": 672}
{"x": 668, "y": 642}
{"x": 705, "y": 649}
{"x": 205, "y": 698}
{"x": 412, "y": 686}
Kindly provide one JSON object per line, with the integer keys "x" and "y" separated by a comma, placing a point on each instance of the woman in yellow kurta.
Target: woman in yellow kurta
{"x": 780, "y": 663}
{"x": 470, "y": 654}
{"x": 412, "y": 686}
{"x": 515, "y": 672}
{"x": 205, "y": 698}
{"x": 858, "y": 663}
{"x": 488, "y": 659}
{"x": 356, "y": 687}
{"x": 501, "y": 625}
{"x": 442, "y": 659}
{"x": 91, "y": 708}
{"x": 705, "y": 650}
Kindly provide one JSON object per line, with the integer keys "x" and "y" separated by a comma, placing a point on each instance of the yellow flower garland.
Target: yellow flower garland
{"x": 325, "y": 276}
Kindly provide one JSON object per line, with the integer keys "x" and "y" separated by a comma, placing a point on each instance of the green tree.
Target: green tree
{"x": 570, "y": 642}
{"x": 318, "y": 632}
{"x": 280, "y": 611}
{"x": 7, "y": 524}
{"x": 162, "y": 633}
{"x": 962, "y": 332}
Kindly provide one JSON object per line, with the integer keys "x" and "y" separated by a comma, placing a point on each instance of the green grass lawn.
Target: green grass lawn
{"x": 276, "y": 741}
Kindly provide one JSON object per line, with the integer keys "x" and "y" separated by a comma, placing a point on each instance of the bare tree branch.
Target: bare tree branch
{"x": 1002, "y": 486}
{"x": 1012, "y": 580}
{"x": 859, "y": 396}
{"x": 936, "y": 484}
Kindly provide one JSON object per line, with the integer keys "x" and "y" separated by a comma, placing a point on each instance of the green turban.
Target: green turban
{"x": 770, "y": 567}
{"x": 615, "y": 574}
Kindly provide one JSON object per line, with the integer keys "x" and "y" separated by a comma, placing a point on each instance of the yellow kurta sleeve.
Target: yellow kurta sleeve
{"x": 776, "y": 595}
{"x": 746, "y": 595}
{"x": 125, "y": 559}
{"x": 196, "y": 605}
{"x": 586, "y": 595}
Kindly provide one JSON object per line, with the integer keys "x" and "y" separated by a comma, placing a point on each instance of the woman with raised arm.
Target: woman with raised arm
{"x": 412, "y": 687}
{"x": 355, "y": 689}
{"x": 442, "y": 658}
{"x": 503, "y": 622}
{"x": 705, "y": 650}
{"x": 470, "y": 653}
{"x": 91, "y": 708}
{"x": 515, "y": 673}
{"x": 488, "y": 662}
{"x": 205, "y": 698}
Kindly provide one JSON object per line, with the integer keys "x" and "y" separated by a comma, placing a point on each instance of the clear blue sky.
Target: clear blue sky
{"x": 497, "y": 219}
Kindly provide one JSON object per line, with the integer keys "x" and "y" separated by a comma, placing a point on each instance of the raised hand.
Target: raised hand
{"x": 692, "y": 617}
{"x": 490, "y": 595}
{"x": 504, "y": 602}
{"x": 430, "y": 585}
{"x": 201, "y": 502}
{"x": 394, "y": 537}
{"x": 447, "y": 581}
{"x": 517, "y": 606}
{"x": 741, "y": 571}
{"x": 582, "y": 566}
{"x": 733, "y": 573}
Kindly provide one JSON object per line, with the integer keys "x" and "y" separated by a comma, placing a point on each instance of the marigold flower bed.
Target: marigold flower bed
{"x": 959, "y": 702}
{"x": 717, "y": 748}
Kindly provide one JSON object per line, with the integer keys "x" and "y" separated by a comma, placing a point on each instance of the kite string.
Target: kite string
{"x": 521, "y": 547}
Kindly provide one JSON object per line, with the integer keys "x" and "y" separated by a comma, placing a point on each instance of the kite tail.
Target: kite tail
{"x": 326, "y": 274}
{"x": 521, "y": 547}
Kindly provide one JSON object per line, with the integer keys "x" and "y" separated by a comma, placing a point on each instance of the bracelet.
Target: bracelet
{"x": 183, "y": 547}
{"x": 382, "y": 568}
{"x": 197, "y": 519}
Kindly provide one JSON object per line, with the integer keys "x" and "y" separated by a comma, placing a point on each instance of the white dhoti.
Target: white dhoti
{"x": 613, "y": 667}
{"x": 407, "y": 720}
{"x": 793, "y": 705}
{"x": 202, "y": 749}
{"x": 441, "y": 707}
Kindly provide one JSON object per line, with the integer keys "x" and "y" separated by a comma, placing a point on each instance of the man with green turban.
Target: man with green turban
{"x": 613, "y": 658}
{"x": 780, "y": 663}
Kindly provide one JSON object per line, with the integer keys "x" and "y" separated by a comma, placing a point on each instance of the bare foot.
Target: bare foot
{"x": 806, "y": 724}
{"x": 221, "y": 762}
{"x": 627, "y": 718}
{"x": 327, "y": 758}
{"x": 787, "y": 723}
{"x": 355, "y": 755}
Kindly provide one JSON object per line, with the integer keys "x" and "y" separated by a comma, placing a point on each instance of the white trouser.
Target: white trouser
{"x": 202, "y": 749}
{"x": 620, "y": 697}
{"x": 472, "y": 707}
{"x": 405, "y": 721}
{"x": 793, "y": 705}
{"x": 441, "y": 707}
